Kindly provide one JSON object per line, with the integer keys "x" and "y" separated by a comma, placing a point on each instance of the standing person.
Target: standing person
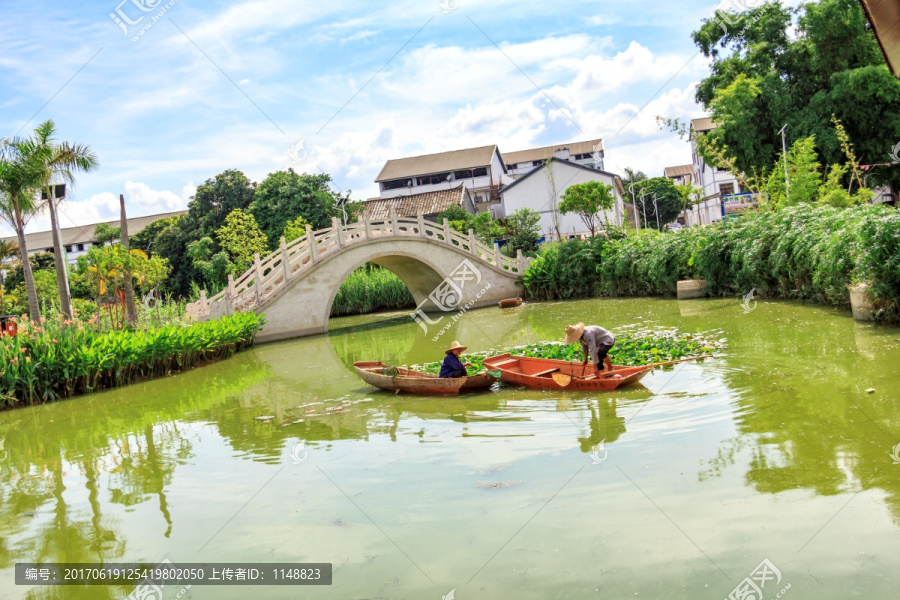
{"x": 452, "y": 366}
{"x": 596, "y": 343}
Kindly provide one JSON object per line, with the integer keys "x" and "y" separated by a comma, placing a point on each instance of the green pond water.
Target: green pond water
{"x": 676, "y": 488}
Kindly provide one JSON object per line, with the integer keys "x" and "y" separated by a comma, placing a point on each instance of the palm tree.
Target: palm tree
{"x": 18, "y": 178}
{"x": 57, "y": 161}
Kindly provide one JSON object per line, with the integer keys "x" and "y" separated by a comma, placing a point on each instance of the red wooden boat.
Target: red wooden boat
{"x": 539, "y": 373}
{"x": 397, "y": 379}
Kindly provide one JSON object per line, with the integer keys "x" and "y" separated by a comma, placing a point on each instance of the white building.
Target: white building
{"x": 590, "y": 153}
{"x": 78, "y": 240}
{"x": 480, "y": 170}
{"x": 542, "y": 188}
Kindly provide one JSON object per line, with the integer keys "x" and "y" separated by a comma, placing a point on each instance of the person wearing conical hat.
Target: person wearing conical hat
{"x": 452, "y": 366}
{"x": 596, "y": 343}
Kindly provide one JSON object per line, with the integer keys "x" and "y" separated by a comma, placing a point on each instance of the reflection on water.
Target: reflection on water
{"x": 282, "y": 454}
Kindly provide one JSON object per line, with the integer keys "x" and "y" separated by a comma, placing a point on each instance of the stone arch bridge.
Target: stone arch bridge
{"x": 295, "y": 286}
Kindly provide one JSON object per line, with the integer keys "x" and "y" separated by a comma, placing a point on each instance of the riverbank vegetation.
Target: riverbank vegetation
{"x": 634, "y": 347}
{"x": 50, "y": 360}
{"x": 370, "y": 289}
{"x": 801, "y": 252}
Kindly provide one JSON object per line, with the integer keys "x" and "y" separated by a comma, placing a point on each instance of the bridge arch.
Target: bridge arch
{"x": 295, "y": 286}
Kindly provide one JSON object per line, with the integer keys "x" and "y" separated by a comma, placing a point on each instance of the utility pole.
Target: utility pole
{"x": 787, "y": 182}
{"x": 644, "y": 204}
{"x": 656, "y": 210}
{"x": 637, "y": 225}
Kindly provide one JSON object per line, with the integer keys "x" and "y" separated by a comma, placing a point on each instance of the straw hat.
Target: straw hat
{"x": 573, "y": 333}
{"x": 454, "y": 346}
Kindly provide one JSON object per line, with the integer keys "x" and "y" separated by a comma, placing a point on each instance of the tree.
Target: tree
{"x": 285, "y": 195}
{"x": 40, "y": 261}
{"x": 769, "y": 70}
{"x": 295, "y": 229}
{"x": 587, "y": 200}
{"x": 18, "y": 178}
{"x": 8, "y": 250}
{"x": 213, "y": 266}
{"x": 104, "y": 233}
{"x": 45, "y": 288}
{"x": 657, "y": 195}
{"x": 241, "y": 238}
{"x": 523, "y": 230}
{"x": 689, "y": 194}
{"x": 57, "y": 162}
{"x": 487, "y": 229}
{"x": 216, "y": 199}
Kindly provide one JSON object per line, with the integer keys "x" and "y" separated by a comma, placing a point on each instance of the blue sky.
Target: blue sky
{"x": 337, "y": 86}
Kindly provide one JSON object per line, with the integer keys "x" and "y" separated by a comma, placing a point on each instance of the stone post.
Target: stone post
{"x": 229, "y": 296}
{"x": 284, "y": 260}
{"x": 257, "y": 282}
{"x": 472, "y": 247}
{"x": 447, "y": 239}
{"x": 311, "y": 242}
{"x": 421, "y": 218}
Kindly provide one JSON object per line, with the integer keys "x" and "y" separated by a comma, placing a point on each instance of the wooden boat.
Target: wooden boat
{"x": 510, "y": 303}
{"x": 416, "y": 382}
{"x": 539, "y": 373}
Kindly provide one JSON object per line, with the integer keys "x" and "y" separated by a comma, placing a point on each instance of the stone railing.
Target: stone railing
{"x": 294, "y": 259}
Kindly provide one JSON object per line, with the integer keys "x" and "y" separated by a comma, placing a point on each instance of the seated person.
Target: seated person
{"x": 452, "y": 366}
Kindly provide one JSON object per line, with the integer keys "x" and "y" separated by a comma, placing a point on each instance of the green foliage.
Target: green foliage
{"x": 295, "y": 229}
{"x": 46, "y": 288}
{"x": 285, "y": 195}
{"x": 632, "y": 348}
{"x": 241, "y": 238}
{"x": 50, "y": 361}
{"x": 806, "y": 252}
{"x": 215, "y": 200}
{"x": 40, "y": 261}
{"x": 803, "y": 171}
{"x": 587, "y": 200}
{"x": 668, "y": 201}
{"x": 523, "y": 230}
{"x": 769, "y": 69}
{"x": 105, "y": 233}
{"x": 213, "y": 266}
{"x": 369, "y": 289}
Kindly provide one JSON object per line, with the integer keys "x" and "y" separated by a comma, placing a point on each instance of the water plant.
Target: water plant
{"x": 50, "y": 360}
{"x": 634, "y": 347}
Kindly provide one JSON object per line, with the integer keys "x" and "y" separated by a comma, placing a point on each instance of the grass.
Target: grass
{"x": 370, "y": 289}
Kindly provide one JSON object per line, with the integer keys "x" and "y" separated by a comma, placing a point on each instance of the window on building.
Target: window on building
{"x": 68, "y": 248}
{"x": 537, "y": 163}
{"x": 726, "y": 189}
{"x": 396, "y": 184}
{"x": 80, "y": 247}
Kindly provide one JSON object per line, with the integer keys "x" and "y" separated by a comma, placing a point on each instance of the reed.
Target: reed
{"x": 803, "y": 252}
{"x": 47, "y": 361}
{"x": 370, "y": 289}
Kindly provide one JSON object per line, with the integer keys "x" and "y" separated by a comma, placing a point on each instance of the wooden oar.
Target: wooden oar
{"x": 672, "y": 362}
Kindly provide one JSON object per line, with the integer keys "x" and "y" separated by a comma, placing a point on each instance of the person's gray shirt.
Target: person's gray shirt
{"x": 594, "y": 337}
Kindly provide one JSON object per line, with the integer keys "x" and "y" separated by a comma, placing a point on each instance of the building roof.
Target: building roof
{"x": 679, "y": 171}
{"x": 79, "y": 235}
{"x": 520, "y": 156}
{"x": 429, "y": 164}
{"x": 884, "y": 15}
{"x": 427, "y": 203}
{"x": 702, "y": 124}
{"x": 618, "y": 180}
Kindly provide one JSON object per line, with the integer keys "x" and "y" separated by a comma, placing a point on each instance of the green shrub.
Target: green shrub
{"x": 369, "y": 289}
{"x": 801, "y": 252}
{"x": 49, "y": 360}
